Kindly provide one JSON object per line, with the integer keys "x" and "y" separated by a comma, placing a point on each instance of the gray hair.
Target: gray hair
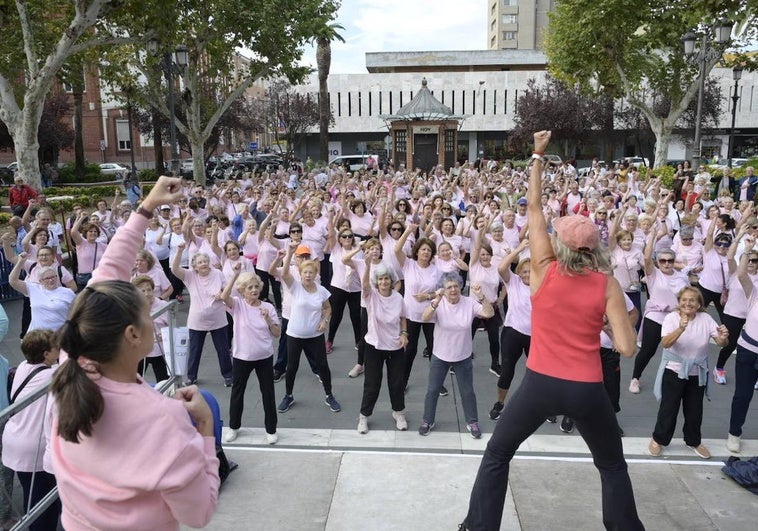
{"x": 450, "y": 276}
{"x": 666, "y": 251}
{"x": 199, "y": 255}
{"x": 382, "y": 270}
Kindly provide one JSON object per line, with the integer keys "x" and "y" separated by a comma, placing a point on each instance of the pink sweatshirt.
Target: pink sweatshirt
{"x": 145, "y": 465}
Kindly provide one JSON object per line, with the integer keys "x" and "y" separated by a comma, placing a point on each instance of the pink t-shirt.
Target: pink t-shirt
{"x": 201, "y": 245}
{"x": 519, "y": 316}
{"x": 452, "y": 333}
{"x": 388, "y": 254}
{"x": 160, "y": 279}
{"x": 663, "y": 290}
{"x": 487, "y": 277}
{"x": 228, "y": 271}
{"x": 360, "y": 224}
{"x": 751, "y": 324}
{"x": 737, "y": 303}
{"x": 23, "y": 440}
{"x": 88, "y": 255}
{"x": 33, "y": 272}
{"x": 384, "y": 314}
{"x": 418, "y": 280}
{"x": 345, "y": 277}
{"x": 715, "y": 271}
{"x": 252, "y": 339}
{"x": 694, "y": 342}
{"x": 159, "y": 322}
{"x": 626, "y": 264}
{"x": 205, "y": 312}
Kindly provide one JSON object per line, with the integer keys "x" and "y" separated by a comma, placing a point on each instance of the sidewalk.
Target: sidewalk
{"x": 347, "y": 490}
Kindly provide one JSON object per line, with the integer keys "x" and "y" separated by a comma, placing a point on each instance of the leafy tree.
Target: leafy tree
{"x": 38, "y": 38}
{"x": 643, "y": 59}
{"x": 326, "y": 32}
{"x": 572, "y": 117}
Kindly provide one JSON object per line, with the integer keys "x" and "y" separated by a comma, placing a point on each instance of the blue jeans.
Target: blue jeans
{"x": 745, "y": 376}
{"x": 464, "y": 374}
{"x": 220, "y": 339}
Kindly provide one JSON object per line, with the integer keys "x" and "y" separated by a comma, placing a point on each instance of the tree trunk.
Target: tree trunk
{"x": 324, "y": 64}
{"x": 662, "y": 131}
{"x": 26, "y": 142}
{"x": 198, "y": 159}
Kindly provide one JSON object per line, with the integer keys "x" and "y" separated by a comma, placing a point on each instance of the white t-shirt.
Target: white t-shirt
{"x": 519, "y": 316}
{"x": 306, "y": 311}
{"x": 694, "y": 341}
{"x": 49, "y": 306}
{"x": 252, "y": 339}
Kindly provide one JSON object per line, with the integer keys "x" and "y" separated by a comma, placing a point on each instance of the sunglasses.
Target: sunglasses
{"x": 753, "y": 260}
{"x": 665, "y": 260}
{"x": 295, "y": 231}
{"x": 722, "y": 244}
{"x": 687, "y": 239}
{"x": 396, "y": 229}
{"x": 346, "y": 236}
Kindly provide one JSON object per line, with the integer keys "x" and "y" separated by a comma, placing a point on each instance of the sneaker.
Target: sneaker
{"x": 426, "y": 352}
{"x": 443, "y": 391}
{"x": 719, "y": 376}
{"x": 278, "y": 375}
{"x": 318, "y": 378}
{"x": 228, "y": 383}
{"x": 400, "y": 423}
{"x": 362, "y": 424}
{"x": 496, "y": 409}
{"x": 701, "y": 451}
{"x": 355, "y": 371}
{"x": 733, "y": 443}
{"x": 332, "y": 403}
{"x": 230, "y": 435}
{"x": 329, "y": 347}
{"x": 495, "y": 369}
{"x": 552, "y": 419}
{"x": 286, "y": 404}
{"x": 191, "y": 381}
{"x": 272, "y": 438}
{"x": 355, "y": 347}
{"x": 567, "y": 424}
{"x": 654, "y": 449}
{"x": 425, "y": 428}
{"x": 634, "y": 386}
{"x": 473, "y": 428}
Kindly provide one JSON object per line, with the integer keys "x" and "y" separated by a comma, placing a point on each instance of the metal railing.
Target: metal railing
{"x": 166, "y": 386}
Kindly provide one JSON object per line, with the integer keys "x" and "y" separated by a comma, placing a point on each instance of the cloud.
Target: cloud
{"x": 403, "y": 26}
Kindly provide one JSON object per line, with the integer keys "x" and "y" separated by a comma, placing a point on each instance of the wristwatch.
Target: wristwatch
{"x": 541, "y": 158}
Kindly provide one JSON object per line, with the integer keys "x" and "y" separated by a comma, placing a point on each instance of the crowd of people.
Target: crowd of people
{"x": 270, "y": 264}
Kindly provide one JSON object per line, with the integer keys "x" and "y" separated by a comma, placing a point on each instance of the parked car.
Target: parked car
{"x": 186, "y": 168}
{"x": 635, "y": 161}
{"x": 115, "y": 169}
{"x": 13, "y": 166}
{"x": 6, "y": 175}
{"x": 722, "y": 164}
{"x": 554, "y": 159}
{"x": 354, "y": 162}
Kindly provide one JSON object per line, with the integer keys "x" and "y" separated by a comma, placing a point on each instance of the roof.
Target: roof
{"x": 423, "y": 106}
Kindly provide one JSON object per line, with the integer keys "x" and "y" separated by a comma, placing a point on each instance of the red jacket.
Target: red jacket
{"x": 20, "y": 195}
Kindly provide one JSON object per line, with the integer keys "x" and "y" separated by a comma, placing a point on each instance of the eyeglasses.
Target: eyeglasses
{"x": 687, "y": 239}
{"x": 602, "y": 212}
{"x": 346, "y": 236}
{"x": 295, "y": 231}
{"x": 665, "y": 260}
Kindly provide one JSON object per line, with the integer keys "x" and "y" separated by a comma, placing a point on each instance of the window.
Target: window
{"x": 122, "y": 135}
{"x": 509, "y": 35}
{"x": 339, "y": 104}
{"x": 509, "y": 19}
{"x": 380, "y": 102}
{"x": 509, "y": 3}
{"x": 349, "y": 105}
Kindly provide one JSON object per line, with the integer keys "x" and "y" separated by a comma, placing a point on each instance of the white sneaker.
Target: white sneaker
{"x": 733, "y": 443}
{"x": 356, "y": 371}
{"x": 400, "y": 422}
{"x": 362, "y": 424}
{"x": 634, "y": 386}
{"x": 272, "y": 438}
{"x": 230, "y": 435}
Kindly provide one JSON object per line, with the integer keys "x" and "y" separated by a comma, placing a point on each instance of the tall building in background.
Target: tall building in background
{"x": 517, "y": 24}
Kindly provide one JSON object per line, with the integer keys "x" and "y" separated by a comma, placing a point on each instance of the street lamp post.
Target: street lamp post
{"x": 708, "y": 51}
{"x": 736, "y": 76}
{"x": 170, "y": 66}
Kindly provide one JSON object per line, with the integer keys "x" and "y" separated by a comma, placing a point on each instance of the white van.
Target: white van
{"x": 354, "y": 162}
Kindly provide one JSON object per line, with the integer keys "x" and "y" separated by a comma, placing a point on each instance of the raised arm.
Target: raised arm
{"x": 708, "y": 245}
{"x": 622, "y": 331}
{"x": 616, "y": 226}
{"x": 504, "y": 268}
{"x": 399, "y": 254}
{"x": 542, "y": 248}
{"x": 649, "y": 246}
{"x": 287, "y": 277}
{"x": 9, "y": 248}
{"x": 742, "y": 274}
{"x": 226, "y": 295}
{"x": 732, "y": 252}
{"x": 176, "y": 265}
{"x": 75, "y": 234}
{"x": 15, "y": 274}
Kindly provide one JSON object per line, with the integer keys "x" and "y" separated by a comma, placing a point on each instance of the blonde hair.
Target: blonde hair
{"x": 579, "y": 262}
{"x": 245, "y": 279}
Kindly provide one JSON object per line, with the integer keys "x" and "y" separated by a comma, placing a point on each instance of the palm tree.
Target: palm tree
{"x": 323, "y": 36}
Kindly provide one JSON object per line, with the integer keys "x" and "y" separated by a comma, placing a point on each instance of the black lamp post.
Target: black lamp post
{"x": 170, "y": 66}
{"x": 708, "y": 51}
{"x": 736, "y": 76}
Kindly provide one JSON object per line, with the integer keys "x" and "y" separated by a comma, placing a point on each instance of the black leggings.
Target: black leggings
{"x": 512, "y": 344}
{"x": 734, "y": 325}
{"x": 314, "y": 346}
{"x": 338, "y": 300}
{"x": 712, "y": 297}
{"x": 414, "y": 331}
{"x": 364, "y": 331}
{"x": 264, "y": 371}
{"x": 158, "y": 363}
{"x": 651, "y": 338}
{"x": 276, "y": 288}
{"x": 538, "y": 397}
{"x": 492, "y": 327}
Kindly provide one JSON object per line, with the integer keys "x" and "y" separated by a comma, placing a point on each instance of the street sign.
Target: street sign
{"x": 253, "y": 146}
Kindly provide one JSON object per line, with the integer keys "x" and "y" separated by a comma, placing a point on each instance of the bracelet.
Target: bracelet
{"x": 539, "y": 153}
{"x": 144, "y": 212}
{"x": 481, "y": 300}
{"x": 433, "y": 307}
{"x": 403, "y": 332}
{"x": 541, "y": 158}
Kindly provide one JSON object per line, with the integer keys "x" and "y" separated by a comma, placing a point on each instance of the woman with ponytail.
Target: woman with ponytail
{"x": 124, "y": 455}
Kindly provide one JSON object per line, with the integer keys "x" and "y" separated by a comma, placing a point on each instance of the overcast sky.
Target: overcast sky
{"x": 403, "y": 26}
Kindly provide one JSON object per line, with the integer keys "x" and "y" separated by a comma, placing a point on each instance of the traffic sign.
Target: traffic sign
{"x": 253, "y": 146}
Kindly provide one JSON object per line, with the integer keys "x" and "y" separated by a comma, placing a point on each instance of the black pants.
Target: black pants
{"x": 177, "y": 284}
{"x": 734, "y": 325}
{"x": 538, "y": 397}
{"x": 43, "y": 483}
{"x": 362, "y": 341}
{"x": 26, "y": 316}
{"x": 651, "y": 338}
{"x": 636, "y": 297}
{"x": 326, "y": 272}
{"x": 264, "y": 371}
{"x": 512, "y": 344}
{"x": 612, "y": 376}
{"x": 414, "y": 331}
{"x": 275, "y": 291}
{"x": 712, "y": 297}
{"x": 675, "y": 392}
{"x": 492, "y": 327}
{"x": 373, "y": 364}
{"x": 158, "y": 363}
{"x": 314, "y": 346}
{"x": 281, "y": 354}
{"x": 339, "y": 299}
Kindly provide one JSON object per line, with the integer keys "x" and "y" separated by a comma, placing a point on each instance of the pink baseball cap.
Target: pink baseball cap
{"x": 577, "y": 232}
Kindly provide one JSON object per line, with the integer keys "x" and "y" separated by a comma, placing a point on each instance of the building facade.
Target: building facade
{"x": 517, "y": 24}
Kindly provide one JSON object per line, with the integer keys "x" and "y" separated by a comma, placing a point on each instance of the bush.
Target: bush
{"x": 148, "y": 175}
{"x": 91, "y": 174}
{"x": 666, "y": 173}
{"x": 95, "y": 191}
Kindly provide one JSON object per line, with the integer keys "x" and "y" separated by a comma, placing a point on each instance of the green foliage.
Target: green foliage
{"x": 148, "y": 175}
{"x": 666, "y": 173}
{"x": 5, "y": 217}
{"x": 96, "y": 192}
{"x": 92, "y": 174}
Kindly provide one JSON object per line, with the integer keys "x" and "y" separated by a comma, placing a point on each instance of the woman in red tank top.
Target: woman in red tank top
{"x": 564, "y": 374}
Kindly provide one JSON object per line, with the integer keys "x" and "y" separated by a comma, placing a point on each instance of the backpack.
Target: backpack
{"x": 12, "y": 376}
